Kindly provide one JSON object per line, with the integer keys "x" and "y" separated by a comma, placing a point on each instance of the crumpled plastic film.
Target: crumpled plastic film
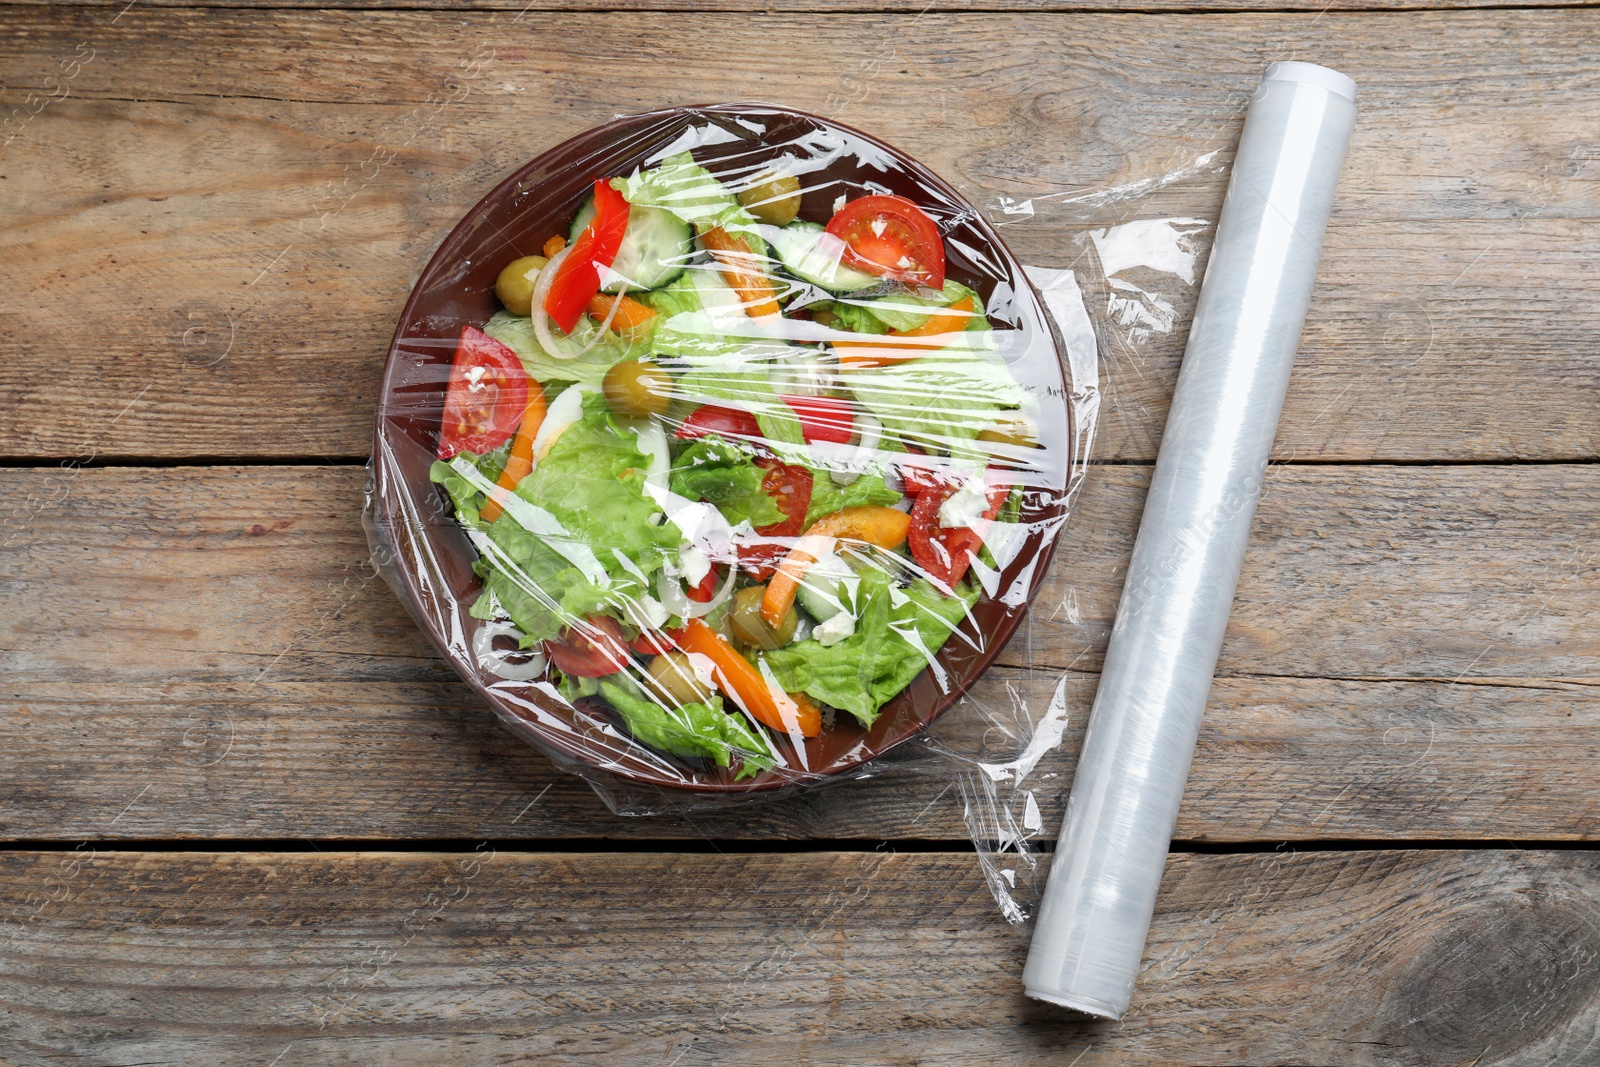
{"x": 1132, "y": 282}
{"x": 781, "y": 543}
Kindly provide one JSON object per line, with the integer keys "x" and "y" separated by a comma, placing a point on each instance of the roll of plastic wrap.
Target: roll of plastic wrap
{"x": 1096, "y": 909}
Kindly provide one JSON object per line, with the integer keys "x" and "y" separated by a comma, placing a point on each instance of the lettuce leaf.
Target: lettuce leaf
{"x": 939, "y": 402}
{"x": 897, "y": 633}
{"x": 739, "y": 374}
{"x": 516, "y": 333}
{"x": 691, "y": 730}
{"x": 714, "y": 471}
{"x": 466, "y": 497}
{"x": 827, "y": 497}
{"x": 599, "y": 543}
{"x": 854, "y": 317}
{"x": 910, "y": 309}
{"x": 680, "y": 185}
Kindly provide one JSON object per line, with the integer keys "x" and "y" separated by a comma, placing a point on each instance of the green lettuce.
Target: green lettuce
{"x": 910, "y": 309}
{"x": 867, "y": 490}
{"x": 714, "y": 471}
{"x": 691, "y": 730}
{"x": 854, "y": 317}
{"x": 721, "y": 355}
{"x": 897, "y": 633}
{"x": 738, "y": 374}
{"x": 516, "y": 333}
{"x": 467, "y": 498}
{"x": 680, "y": 185}
{"x": 598, "y": 542}
{"x": 939, "y": 402}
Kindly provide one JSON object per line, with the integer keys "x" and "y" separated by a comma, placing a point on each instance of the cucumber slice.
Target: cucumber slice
{"x": 796, "y": 246}
{"x": 655, "y": 248}
{"x": 828, "y": 587}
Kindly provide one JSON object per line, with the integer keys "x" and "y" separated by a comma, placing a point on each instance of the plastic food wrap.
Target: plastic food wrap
{"x": 1163, "y": 651}
{"x": 722, "y": 449}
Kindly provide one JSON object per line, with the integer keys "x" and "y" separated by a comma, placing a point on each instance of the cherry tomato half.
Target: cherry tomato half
{"x": 790, "y": 486}
{"x": 591, "y": 650}
{"x": 486, "y": 398}
{"x": 578, "y": 277}
{"x": 891, "y": 237}
{"x": 946, "y": 552}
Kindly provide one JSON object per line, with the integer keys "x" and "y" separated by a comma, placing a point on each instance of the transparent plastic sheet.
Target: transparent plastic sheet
{"x": 882, "y": 392}
{"x": 1096, "y": 911}
{"x": 1133, "y": 274}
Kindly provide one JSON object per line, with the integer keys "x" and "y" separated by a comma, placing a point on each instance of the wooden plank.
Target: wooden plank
{"x": 1280, "y": 759}
{"x": 825, "y": 7}
{"x": 200, "y": 652}
{"x": 820, "y": 958}
{"x": 225, "y": 574}
{"x": 272, "y": 263}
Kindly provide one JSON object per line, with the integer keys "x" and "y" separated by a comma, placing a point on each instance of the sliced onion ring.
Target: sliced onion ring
{"x": 498, "y": 662}
{"x": 541, "y": 321}
{"x": 673, "y": 599}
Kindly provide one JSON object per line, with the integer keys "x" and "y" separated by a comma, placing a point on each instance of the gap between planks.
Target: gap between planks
{"x": 751, "y": 847}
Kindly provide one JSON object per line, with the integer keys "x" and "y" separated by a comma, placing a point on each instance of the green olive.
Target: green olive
{"x": 637, "y": 387}
{"x": 775, "y": 198}
{"x": 515, "y": 285}
{"x": 1014, "y": 431}
{"x": 673, "y": 674}
{"x": 750, "y": 628}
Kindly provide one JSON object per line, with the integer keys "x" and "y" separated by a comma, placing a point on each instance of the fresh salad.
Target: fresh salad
{"x": 730, "y": 470}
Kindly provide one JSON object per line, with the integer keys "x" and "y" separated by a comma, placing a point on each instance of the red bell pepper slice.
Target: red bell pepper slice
{"x": 577, "y": 280}
{"x": 652, "y": 643}
{"x": 705, "y": 590}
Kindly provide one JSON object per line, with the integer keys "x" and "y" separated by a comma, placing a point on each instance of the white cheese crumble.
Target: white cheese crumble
{"x": 695, "y": 563}
{"x": 835, "y": 629}
{"x": 966, "y": 505}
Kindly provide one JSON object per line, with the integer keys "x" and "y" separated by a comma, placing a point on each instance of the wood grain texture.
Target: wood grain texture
{"x": 1422, "y": 958}
{"x": 825, "y": 7}
{"x": 216, "y": 221}
{"x": 204, "y": 652}
{"x": 228, "y": 574}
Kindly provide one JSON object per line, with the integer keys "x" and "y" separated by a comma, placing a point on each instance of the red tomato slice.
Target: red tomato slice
{"x": 733, "y": 423}
{"x": 486, "y": 398}
{"x": 945, "y": 553}
{"x": 790, "y": 486}
{"x": 824, "y": 418}
{"x": 578, "y": 277}
{"x": 919, "y": 478}
{"x": 891, "y": 237}
{"x": 590, "y": 651}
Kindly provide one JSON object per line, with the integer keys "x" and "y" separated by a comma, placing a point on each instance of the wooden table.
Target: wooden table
{"x": 251, "y": 818}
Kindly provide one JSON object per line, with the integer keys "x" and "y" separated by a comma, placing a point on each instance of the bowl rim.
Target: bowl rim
{"x": 558, "y": 745}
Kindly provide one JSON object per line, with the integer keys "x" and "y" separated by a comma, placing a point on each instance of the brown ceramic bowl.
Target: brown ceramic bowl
{"x": 427, "y": 557}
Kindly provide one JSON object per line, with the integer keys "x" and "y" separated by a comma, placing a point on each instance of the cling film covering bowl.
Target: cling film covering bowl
{"x": 877, "y": 385}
